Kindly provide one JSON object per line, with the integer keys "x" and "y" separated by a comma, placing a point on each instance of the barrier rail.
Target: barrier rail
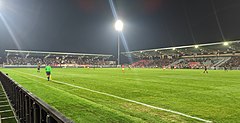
{"x": 27, "y": 107}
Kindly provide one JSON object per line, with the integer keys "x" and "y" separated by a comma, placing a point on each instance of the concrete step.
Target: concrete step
{"x": 5, "y": 118}
{"x": 7, "y": 115}
{"x": 5, "y": 111}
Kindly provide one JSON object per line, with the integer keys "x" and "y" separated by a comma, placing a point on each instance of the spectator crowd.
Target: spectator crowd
{"x": 188, "y": 63}
{"x": 57, "y": 61}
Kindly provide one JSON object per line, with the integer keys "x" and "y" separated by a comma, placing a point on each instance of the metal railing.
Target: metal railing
{"x": 27, "y": 107}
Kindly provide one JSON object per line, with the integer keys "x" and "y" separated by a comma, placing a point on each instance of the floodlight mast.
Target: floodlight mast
{"x": 118, "y": 28}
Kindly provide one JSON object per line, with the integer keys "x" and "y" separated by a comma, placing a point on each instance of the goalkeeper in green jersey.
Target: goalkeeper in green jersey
{"x": 48, "y": 70}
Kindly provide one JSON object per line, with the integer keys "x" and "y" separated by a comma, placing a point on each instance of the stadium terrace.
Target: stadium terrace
{"x": 20, "y": 58}
{"x": 213, "y": 55}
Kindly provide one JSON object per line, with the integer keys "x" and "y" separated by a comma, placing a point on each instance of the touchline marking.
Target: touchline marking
{"x": 125, "y": 99}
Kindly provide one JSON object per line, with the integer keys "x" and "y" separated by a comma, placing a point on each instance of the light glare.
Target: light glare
{"x": 119, "y": 25}
{"x": 225, "y": 43}
{"x": 196, "y": 46}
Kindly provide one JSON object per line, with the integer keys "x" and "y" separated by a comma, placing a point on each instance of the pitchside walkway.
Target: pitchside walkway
{"x": 6, "y": 113}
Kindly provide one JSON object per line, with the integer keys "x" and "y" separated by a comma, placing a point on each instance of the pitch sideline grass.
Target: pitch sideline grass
{"x": 124, "y": 99}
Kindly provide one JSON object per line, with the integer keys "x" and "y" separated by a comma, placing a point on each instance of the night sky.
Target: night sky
{"x": 88, "y": 25}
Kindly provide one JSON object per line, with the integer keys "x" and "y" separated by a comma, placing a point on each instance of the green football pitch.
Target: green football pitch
{"x": 138, "y": 95}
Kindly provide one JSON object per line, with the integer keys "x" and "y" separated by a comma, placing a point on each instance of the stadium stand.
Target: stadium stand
{"x": 212, "y": 55}
{"x": 18, "y": 58}
{"x": 153, "y": 63}
{"x": 233, "y": 62}
{"x": 197, "y": 63}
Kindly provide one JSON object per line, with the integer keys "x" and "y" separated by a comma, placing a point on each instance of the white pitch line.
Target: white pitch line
{"x": 125, "y": 99}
